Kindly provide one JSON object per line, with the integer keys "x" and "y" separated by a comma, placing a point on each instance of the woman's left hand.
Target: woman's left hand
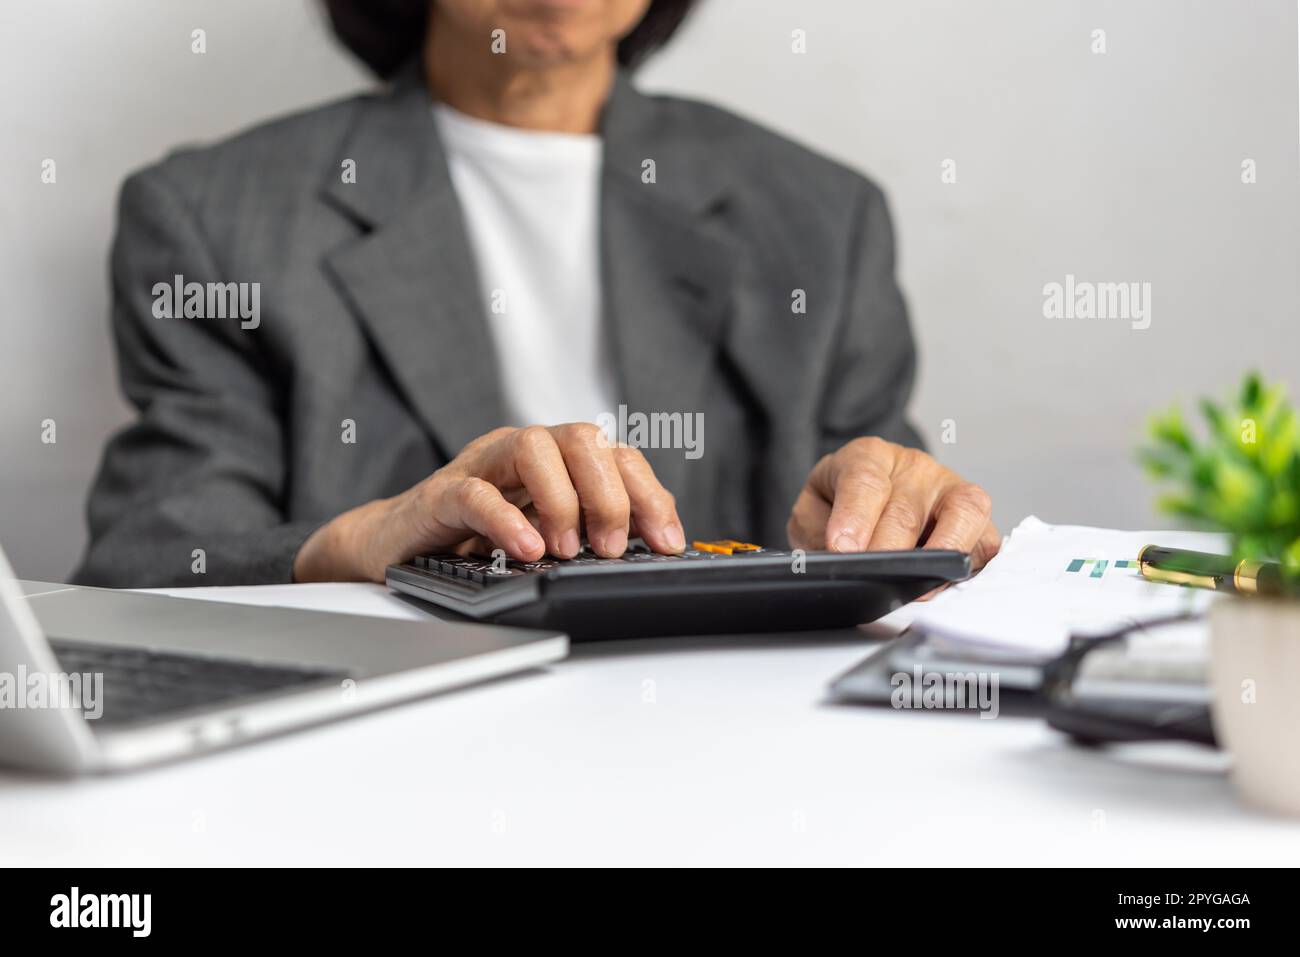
{"x": 873, "y": 495}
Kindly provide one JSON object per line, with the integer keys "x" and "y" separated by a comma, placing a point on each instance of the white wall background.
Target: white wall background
{"x": 1115, "y": 167}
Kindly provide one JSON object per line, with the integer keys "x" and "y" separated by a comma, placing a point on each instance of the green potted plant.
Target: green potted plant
{"x": 1241, "y": 475}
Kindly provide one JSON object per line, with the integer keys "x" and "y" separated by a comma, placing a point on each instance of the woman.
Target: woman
{"x": 456, "y": 278}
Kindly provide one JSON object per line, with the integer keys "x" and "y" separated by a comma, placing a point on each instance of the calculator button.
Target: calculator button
{"x": 713, "y": 548}
{"x": 466, "y": 570}
{"x": 726, "y": 546}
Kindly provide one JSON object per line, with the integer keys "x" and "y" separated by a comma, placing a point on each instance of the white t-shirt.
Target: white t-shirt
{"x": 531, "y": 203}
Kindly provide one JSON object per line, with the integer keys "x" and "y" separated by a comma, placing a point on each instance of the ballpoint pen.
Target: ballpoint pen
{"x": 1180, "y": 566}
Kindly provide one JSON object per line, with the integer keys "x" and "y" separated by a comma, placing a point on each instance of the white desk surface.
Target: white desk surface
{"x": 736, "y": 759}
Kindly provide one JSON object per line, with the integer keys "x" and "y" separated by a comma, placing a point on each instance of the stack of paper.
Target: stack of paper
{"x": 1052, "y": 581}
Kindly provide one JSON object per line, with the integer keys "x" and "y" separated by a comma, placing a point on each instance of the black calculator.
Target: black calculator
{"x": 712, "y": 588}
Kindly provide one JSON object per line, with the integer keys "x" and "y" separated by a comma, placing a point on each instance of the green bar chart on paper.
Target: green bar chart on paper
{"x": 1096, "y": 567}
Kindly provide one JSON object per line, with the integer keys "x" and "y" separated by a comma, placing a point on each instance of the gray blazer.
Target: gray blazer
{"x": 370, "y": 313}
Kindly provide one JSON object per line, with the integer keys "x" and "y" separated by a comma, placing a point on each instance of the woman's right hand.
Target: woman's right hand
{"x": 527, "y": 491}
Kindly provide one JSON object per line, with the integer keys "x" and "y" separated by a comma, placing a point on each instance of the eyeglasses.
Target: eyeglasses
{"x": 1095, "y": 719}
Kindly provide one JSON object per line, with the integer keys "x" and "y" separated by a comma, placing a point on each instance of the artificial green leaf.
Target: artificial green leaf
{"x": 1170, "y": 429}
{"x": 1250, "y": 389}
{"x": 1290, "y": 558}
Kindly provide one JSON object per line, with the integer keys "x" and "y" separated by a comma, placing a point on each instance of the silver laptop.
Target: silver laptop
{"x": 95, "y": 680}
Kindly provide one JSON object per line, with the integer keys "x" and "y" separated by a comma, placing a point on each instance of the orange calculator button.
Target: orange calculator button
{"x": 725, "y": 546}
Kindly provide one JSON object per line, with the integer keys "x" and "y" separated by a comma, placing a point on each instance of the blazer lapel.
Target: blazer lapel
{"x": 667, "y": 270}
{"x": 411, "y": 275}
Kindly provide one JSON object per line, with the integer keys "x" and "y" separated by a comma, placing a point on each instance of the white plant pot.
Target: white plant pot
{"x": 1255, "y": 674}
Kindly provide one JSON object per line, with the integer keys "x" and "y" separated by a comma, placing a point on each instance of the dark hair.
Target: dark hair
{"x": 384, "y": 34}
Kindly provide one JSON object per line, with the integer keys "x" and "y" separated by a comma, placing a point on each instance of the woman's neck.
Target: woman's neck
{"x": 564, "y": 97}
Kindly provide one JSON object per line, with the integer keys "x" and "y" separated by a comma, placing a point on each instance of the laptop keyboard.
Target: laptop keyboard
{"x": 140, "y": 684}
